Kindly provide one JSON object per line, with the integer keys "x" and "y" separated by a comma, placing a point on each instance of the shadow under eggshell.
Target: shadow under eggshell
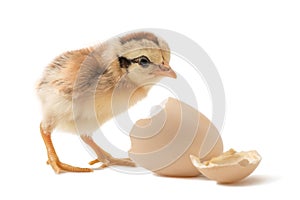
{"x": 164, "y": 142}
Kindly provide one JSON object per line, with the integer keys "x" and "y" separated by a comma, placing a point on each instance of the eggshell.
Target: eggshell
{"x": 164, "y": 142}
{"x": 229, "y": 167}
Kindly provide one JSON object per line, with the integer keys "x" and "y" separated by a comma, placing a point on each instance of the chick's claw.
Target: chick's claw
{"x": 114, "y": 161}
{"x": 94, "y": 162}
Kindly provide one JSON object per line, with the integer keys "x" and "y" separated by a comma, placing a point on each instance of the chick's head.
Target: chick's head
{"x": 145, "y": 58}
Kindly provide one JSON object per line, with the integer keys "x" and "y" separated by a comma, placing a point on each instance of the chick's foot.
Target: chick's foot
{"x": 53, "y": 159}
{"x": 59, "y": 167}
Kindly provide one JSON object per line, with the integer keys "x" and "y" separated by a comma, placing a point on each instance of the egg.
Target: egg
{"x": 229, "y": 167}
{"x": 164, "y": 142}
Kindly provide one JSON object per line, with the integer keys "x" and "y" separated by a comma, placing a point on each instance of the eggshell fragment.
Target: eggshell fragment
{"x": 164, "y": 142}
{"x": 229, "y": 167}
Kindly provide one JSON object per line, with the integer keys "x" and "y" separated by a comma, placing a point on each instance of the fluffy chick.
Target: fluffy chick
{"x": 82, "y": 89}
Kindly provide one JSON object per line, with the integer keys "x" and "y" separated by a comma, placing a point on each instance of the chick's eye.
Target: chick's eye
{"x": 144, "y": 61}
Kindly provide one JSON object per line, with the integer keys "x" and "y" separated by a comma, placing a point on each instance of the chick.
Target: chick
{"x": 82, "y": 89}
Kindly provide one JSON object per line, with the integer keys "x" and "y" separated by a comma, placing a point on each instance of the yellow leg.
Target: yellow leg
{"x": 105, "y": 157}
{"x": 53, "y": 160}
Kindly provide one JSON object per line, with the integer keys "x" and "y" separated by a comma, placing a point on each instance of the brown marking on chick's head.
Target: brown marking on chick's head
{"x": 139, "y": 36}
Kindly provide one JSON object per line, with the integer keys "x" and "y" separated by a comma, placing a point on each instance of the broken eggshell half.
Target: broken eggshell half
{"x": 229, "y": 167}
{"x": 164, "y": 142}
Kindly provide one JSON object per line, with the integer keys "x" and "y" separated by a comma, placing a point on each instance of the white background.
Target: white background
{"x": 255, "y": 46}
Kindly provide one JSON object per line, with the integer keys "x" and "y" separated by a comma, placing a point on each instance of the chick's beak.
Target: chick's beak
{"x": 165, "y": 70}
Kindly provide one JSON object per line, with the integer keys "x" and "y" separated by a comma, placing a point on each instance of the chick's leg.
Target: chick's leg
{"x": 104, "y": 157}
{"x": 53, "y": 158}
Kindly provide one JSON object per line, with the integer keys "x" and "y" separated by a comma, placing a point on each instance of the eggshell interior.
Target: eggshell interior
{"x": 229, "y": 167}
{"x": 164, "y": 142}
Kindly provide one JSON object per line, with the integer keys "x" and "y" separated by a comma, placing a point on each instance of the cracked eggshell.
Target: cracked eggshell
{"x": 164, "y": 142}
{"x": 229, "y": 167}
